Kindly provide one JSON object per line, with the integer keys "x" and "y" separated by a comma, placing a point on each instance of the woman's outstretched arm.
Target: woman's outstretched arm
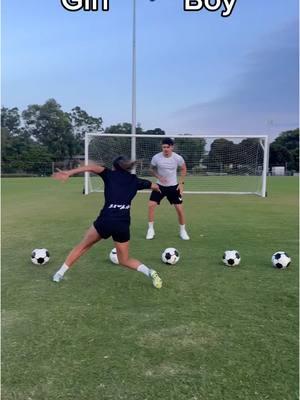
{"x": 64, "y": 175}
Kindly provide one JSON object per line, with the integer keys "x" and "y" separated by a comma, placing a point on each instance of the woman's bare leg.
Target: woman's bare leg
{"x": 90, "y": 238}
{"x": 123, "y": 256}
{"x": 127, "y": 261}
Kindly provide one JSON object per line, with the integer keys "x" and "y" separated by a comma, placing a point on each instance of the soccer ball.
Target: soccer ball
{"x": 231, "y": 258}
{"x": 170, "y": 256}
{"x": 281, "y": 260}
{"x": 40, "y": 256}
{"x": 113, "y": 256}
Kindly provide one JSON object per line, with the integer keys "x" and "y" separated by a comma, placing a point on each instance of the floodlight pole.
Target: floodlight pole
{"x": 86, "y": 161}
{"x": 265, "y": 166}
{"x": 133, "y": 120}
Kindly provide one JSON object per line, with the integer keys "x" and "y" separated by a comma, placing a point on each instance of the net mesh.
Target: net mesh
{"x": 220, "y": 164}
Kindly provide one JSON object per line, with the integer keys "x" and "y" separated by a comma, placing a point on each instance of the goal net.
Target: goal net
{"x": 215, "y": 164}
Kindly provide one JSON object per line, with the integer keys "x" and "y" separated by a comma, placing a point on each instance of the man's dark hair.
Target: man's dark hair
{"x": 168, "y": 141}
{"x": 122, "y": 163}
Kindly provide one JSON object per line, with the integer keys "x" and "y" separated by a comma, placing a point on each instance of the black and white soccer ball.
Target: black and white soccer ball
{"x": 231, "y": 258}
{"x": 170, "y": 256}
{"x": 40, "y": 256}
{"x": 113, "y": 256}
{"x": 281, "y": 260}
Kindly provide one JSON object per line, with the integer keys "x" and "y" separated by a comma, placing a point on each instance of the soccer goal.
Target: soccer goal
{"x": 219, "y": 164}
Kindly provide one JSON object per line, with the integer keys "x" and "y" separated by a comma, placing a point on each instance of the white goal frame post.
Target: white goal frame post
{"x": 261, "y": 173}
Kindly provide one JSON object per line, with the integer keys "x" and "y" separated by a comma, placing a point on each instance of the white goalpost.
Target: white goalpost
{"x": 216, "y": 164}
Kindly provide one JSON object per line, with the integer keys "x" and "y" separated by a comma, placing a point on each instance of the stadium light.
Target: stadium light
{"x": 133, "y": 119}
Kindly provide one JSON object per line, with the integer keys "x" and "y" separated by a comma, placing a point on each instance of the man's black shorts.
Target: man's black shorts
{"x": 171, "y": 192}
{"x": 119, "y": 230}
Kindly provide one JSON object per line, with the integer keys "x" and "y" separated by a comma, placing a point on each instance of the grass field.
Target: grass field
{"x": 211, "y": 332}
{"x": 227, "y": 183}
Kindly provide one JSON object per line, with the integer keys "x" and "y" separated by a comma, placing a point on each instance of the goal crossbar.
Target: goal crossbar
{"x": 176, "y": 136}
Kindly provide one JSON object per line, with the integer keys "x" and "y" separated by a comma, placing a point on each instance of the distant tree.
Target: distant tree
{"x": 156, "y": 131}
{"x": 284, "y": 151}
{"x": 82, "y": 123}
{"x": 227, "y": 156}
{"x": 249, "y": 153}
{"x": 14, "y": 139}
{"x": 51, "y": 127}
{"x": 21, "y": 154}
{"x": 288, "y": 139}
{"x": 295, "y": 160}
{"x": 10, "y": 126}
{"x": 11, "y": 120}
{"x": 45, "y": 133}
{"x": 146, "y": 148}
{"x": 192, "y": 150}
{"x": 5, "y": 142}
{"x": 124, "y": 128}
{"x": 37, "y": 159}
{"x": 222, "y": 153}
{"x": 279, "y": 155}
{"x": 114, "y": 146}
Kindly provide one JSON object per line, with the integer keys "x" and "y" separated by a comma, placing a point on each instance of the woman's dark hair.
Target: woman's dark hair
{"x": 168, "y": 141}
{"x": 122, "y": 163}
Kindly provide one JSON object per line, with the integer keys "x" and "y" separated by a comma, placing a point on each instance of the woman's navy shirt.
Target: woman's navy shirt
{"x": 120, "y": 187}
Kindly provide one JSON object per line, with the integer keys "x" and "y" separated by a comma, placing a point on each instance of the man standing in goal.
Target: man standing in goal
{"x": 164, "y": 166}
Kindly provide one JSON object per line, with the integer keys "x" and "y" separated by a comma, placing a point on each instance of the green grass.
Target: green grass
{"x": 227, "y": 183}
{"x": 211, "y": 332}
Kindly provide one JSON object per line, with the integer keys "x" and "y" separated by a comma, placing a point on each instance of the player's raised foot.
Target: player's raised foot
{"x": 156, "y": 281}
{"x": 150, "y": 234}
{"x": 57, "y": 277}
{"x": 183, "y": 234}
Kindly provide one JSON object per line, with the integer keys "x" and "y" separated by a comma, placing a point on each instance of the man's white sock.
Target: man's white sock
{"x": 64, "y": 268}
{"x": 151, "y": 225}
{"x": 182, "y": 227}
{"x": 145, "y": 270}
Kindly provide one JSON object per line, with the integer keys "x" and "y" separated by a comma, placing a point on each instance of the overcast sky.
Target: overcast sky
{"x": 196, "y": 71}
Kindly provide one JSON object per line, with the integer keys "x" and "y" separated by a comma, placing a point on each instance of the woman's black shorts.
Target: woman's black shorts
{"x": 118, "y": 230}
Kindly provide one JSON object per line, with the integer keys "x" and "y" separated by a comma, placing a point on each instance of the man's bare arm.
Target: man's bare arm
{"x": 183, "y": 171}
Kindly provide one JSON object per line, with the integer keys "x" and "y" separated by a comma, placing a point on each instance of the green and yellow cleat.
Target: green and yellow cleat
{"x": 156, "y": 281}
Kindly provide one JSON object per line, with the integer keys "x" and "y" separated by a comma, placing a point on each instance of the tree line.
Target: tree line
{"x": 44, "y": 134}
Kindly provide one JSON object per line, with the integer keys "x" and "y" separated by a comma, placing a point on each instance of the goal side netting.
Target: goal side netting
{"x": 215, "y": 164}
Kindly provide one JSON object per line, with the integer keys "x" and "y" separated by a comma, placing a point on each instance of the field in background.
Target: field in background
{"x": 205, "y": 183}
{"x": 104, "y": 333}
